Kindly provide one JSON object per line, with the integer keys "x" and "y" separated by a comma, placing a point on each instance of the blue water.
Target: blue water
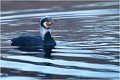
{"x": 87, "y": 36}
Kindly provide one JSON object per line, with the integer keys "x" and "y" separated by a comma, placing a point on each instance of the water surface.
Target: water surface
{"x": 86, "y": 33}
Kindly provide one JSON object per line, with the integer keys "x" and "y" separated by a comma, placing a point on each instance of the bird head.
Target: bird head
{"x": 46, "y": 22}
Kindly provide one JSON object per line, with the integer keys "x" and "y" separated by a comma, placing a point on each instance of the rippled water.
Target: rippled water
{"x": 86, "y": 34}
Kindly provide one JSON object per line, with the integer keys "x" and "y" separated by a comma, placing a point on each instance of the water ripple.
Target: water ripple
{"x": 87, "y": 41}
{"x": 67, "y": 14}
{"x": 59, "y": 71}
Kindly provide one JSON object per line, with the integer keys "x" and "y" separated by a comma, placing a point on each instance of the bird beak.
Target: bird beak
{"x": 55, "y": 20}
{"x": 49, "y": 23}
{"x": 52, "y": 21}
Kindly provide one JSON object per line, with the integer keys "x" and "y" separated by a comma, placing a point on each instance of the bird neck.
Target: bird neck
{"x": 43, "y": 31}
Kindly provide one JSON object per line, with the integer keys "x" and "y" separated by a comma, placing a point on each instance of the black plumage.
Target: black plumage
{"x": 42, "y": 41}
{"x": 27, "y": 41}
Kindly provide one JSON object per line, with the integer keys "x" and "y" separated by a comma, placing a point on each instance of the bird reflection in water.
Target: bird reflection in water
{"x": 47, "y": 51}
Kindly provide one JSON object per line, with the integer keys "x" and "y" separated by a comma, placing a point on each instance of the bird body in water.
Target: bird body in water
{"x": 44, "y": 40}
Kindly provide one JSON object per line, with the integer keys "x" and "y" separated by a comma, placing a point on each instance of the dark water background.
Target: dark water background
{"x": 86, "y": 34}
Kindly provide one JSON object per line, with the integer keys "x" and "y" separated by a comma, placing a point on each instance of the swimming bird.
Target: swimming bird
{"x": 44, "y": 40}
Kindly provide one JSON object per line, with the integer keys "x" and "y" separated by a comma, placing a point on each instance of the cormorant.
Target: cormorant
{"x": 44, "y": 40}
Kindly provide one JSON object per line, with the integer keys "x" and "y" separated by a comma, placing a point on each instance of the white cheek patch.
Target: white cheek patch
{"x": 45, "y": 24}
